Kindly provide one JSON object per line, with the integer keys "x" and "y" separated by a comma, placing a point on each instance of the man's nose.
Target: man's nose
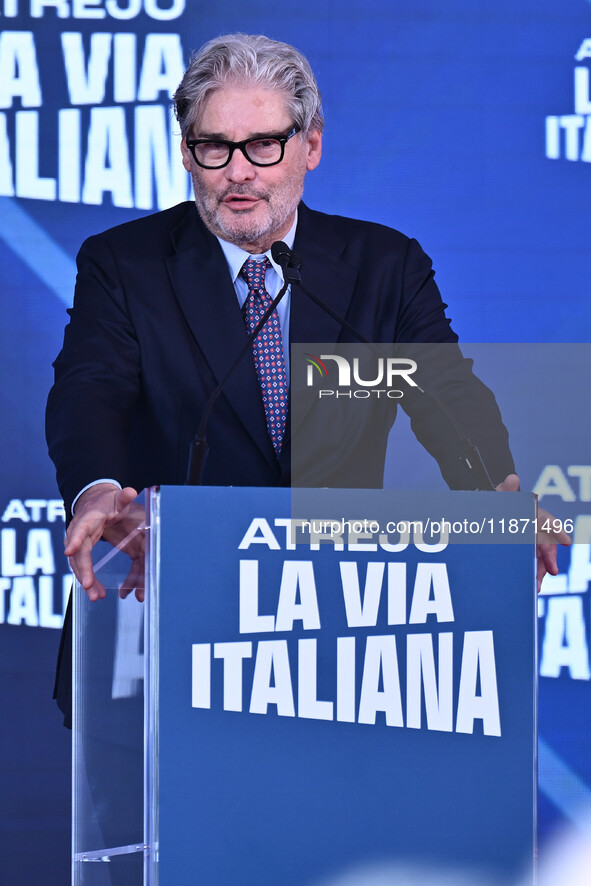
{"x": 239, "y": 169}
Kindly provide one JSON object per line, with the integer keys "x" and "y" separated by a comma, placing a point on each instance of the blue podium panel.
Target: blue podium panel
{"x": 329, "y": 707}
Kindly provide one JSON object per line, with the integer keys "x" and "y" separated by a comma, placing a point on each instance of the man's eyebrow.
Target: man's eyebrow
{"x": 221, "y": 137}
{"x": 214, "y": 136}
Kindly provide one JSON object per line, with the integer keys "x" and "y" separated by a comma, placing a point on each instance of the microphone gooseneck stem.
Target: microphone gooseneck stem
{"x": 199, "y": 448}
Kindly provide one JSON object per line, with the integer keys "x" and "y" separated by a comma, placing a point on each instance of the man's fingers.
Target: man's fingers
{"x": 547, "y": 561}
{"x": 80, "y": 532}
{"x": 124, "y": 497}
{"x": 134, "y": 580}
{"x": 103, "y": 507}
{"x": 98, "y": 509}
{"x": 82, "y": 568}
{"x": 547, "y": 540}
{"x": 547, "y": 557}
{"x": 509, "y": 484}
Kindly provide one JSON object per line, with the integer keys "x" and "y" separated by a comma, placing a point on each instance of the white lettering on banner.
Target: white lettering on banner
{"x": 29, "y": 183}
{"x": 478, "y": 666}
{"x": 309, "y": 706}
{"x": 259, "y": 533}
{"x": 582, "y": 98}
{"x": 10, "y": 8}
{"x": 232, "y": 655}
{"x": 579, "y": 573}
{"x": 297, "y": 580}
{"x": 356, "y": 534}
{"x": 565, "y": 644}
{"x": 38, "y": 556}
{"x": 563, "y": 607}
{"x": 107, "y": 161}
{"x": 31, "y": 593}
{"x": 69, "y": 163}
{"x": 31, "y": 601}
{"x": 577, "y": 579}
{"x": 201, "y": 668}
{"x": 38, "y": 7}
{"x": 159, "y": 179}
{"x": 584, "y": 50}
{"x": 122, "y": 10}
{"x": 346, "y": 679}
{"x": 362, "y": 613}
{"x": 298, "y": 599}
{"x": 250, "y": 621}
{"x": 271, "y": 682}
{"x": 380, "y": 667}
{"x": 19, "y": 74}
{"x": 429, "y": 577}
{"x": 6, "y": 170}
{"x": 161, "y": 71}
{"x": 438, "y": 693}
{"x": 162, "y": 67}
{"x": 126, "y": 153}
{"x": 155, "y": 154}
{"x": 263, "y": 672}
{"x": 568, "y": 136}
{"x": 23, "y": 603}
{"x": 554, "y": 481}
{"x": 86, "y": 82}
{"x": 564, "y": 623}
{"x": 128, "y": 661}
{"x": 34, "y": 510}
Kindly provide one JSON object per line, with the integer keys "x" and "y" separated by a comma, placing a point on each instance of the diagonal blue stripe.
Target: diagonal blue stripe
{"x": 37, "y": 249}
{"x": 563, "y": 786}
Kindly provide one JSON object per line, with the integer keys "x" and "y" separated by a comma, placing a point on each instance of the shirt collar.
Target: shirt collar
{"x": 235, "y": 256}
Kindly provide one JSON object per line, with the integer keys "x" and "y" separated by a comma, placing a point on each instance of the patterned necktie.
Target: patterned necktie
{"x": 267, "y": 349}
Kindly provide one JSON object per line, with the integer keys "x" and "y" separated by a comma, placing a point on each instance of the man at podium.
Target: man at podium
{"x": 164, "y": 305}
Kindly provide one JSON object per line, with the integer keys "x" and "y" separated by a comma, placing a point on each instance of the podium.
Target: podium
{"x": 321, "y": 687}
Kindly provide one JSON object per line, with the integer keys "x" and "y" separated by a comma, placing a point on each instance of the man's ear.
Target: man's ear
{"x": 314, "y": 140}
{"x": 187, "y": 157}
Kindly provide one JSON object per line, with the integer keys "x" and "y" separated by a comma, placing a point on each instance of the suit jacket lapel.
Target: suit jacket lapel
{"x": 326, "y": 274}
{"x": 206, "y": 296}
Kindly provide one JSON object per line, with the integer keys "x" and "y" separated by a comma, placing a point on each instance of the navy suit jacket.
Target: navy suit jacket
{"x": 156, "y": 324}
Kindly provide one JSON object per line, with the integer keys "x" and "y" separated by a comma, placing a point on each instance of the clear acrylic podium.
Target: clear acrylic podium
{"x": 367, "y": 719}
{"x": 113, "y": 720}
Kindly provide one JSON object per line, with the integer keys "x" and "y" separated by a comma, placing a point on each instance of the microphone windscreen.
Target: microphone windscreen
{"x": 281, "y": 253}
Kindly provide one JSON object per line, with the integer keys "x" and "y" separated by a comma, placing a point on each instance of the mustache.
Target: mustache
{"x": 243, "y": 191}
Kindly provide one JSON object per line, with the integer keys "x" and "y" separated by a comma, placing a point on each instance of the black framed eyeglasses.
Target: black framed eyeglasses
{"x": 265, "y": 150}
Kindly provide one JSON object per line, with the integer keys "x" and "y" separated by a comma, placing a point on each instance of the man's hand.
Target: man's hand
{"x": 546, "y": 541}
{"x": 105, "y": 511}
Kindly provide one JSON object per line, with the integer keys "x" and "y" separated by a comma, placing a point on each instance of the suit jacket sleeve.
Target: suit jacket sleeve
{"x": 97, "y": 378}
{"x": 446, "y": 375}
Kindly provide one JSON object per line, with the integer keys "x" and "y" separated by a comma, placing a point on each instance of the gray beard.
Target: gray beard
{"x": 253, "y": 234}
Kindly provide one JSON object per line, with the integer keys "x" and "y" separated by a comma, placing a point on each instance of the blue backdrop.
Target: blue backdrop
{"x": 466, "y": 125}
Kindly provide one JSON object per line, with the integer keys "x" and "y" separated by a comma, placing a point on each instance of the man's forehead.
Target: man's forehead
{"x": 251, "y": 108}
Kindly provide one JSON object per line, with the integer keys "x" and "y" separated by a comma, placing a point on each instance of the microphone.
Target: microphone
{"x": 287, "y": 260}
{"x": 469, "y": 456}
{"x": 199, "y": 447}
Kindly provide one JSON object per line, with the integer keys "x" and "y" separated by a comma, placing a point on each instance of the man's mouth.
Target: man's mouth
{"x": 240, "y": 201}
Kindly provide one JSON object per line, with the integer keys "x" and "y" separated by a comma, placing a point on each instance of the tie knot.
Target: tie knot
{"x": 253, "y": 272}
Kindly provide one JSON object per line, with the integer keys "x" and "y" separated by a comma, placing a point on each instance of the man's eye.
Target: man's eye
{"x": 264, "y": 147}
{"x": 213, "y": 147}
